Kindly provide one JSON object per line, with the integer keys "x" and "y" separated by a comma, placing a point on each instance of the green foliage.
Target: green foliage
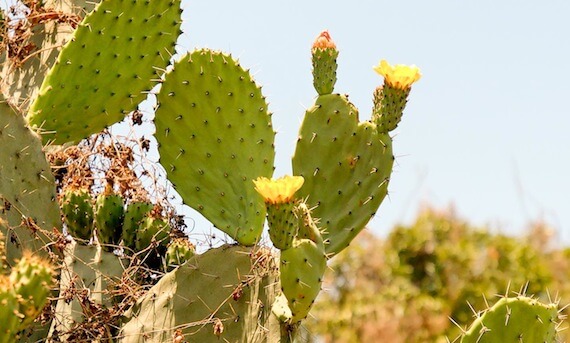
{"x": 406, "y": 287}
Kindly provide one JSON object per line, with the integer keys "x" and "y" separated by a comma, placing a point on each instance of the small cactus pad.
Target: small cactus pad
{"x": 77, "y": 209}
{"x": 9, "y": 322}
{"x": 109, "y": 216}
{"x": 151, "y": 230}
{"x": 27, "y": 187}
{"x": 302, "y": 269}
{"x": 226, "y": 289}
{"x": 135, "y": 213}
{"x": 519, "y": 319}
{"x": 346, "y": 166}
{"x": 104, "y": 72}
{"x": 215, "y": 136}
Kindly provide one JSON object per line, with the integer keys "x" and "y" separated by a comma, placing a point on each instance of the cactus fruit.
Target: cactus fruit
{"x": 31, "y": 280}
{"x": 109, "y": 216}
{"x": 77, "y": 209}
{"x": 228, "y": 288}
{"x": 324, "y": 54}
{"x": 105, "y": 71}
{"x": 390, "y": 99}
{"x": 9, "y": 322}
{"x": 27, "y": 187}
{"x": 134, "y": 214}
{"x": 519, "y": 319}
{"x": 179, "y": 251}
{"x": 279, "y": 199}
{"x": 215, "y": 136}
{"x": 346, "y": 166}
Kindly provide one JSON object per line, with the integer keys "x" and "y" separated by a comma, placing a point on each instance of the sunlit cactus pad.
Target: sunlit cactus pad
{"x": 105, "y": 71}
{"x": 346, "y": 166}
{"x": 215, "y": 136}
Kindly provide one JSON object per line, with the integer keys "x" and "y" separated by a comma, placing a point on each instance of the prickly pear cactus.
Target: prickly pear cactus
{"x": 27, "y": 189}
{"x": 519, "y": 319}
{"x": 107, "y": 69}
{"x": 215, "y": 136}
{"x": 226, "y": 292}
{"x": 346, "y": 163}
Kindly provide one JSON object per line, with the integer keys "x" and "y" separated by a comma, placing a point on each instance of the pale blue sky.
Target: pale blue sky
{"x": 486, "y": 128}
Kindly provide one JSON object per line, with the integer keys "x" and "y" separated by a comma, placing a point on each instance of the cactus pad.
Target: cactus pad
{"x": 104, "y": 72}
{"x": 109, "y": 216}
{"x": 229, "y": 288}
{"x": 519, "y": 319}
{"x": 27, "y": 187}
{"x": 135, "y": 213}
{"x": 302, "y": 269}
{"x": 215, "y": 136}
{"x": 346, "y": 166}
{"x": 77, "y": 209}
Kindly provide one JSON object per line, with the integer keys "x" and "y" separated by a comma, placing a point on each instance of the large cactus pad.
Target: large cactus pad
{"x": 225, "y": 292}
{"x": 105, "y": 71}
{"x": 27, "y": 188}
{"x": 215, "y": 136}
{"x": 346, "y": 166}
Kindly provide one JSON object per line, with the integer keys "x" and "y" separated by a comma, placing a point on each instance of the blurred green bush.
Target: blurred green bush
{"x": 406, "y": 287}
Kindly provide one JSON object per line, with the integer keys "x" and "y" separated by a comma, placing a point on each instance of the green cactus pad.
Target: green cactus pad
{"x": 77, "y": 209}
{"x": 105, "y": 71}
{"x": 226, "y": 285}
{"x": 302, "y": 269}
{"x": 85, "y": 268}
{"x": 27, "y": 187}
{"x": 215, "y": 136}
{"x": 109, "y": 216}
{"x": 282, "y": 224}
{"x": 519, "y": 319}
{"x": 152, "y": 229}
{"x": 346, "y": 166}
{"x": 135, "y": 213}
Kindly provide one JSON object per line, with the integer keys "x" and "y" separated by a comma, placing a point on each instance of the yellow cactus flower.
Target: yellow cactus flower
{"x": 399, "y": 76}
{"x": 278, "y": 191}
